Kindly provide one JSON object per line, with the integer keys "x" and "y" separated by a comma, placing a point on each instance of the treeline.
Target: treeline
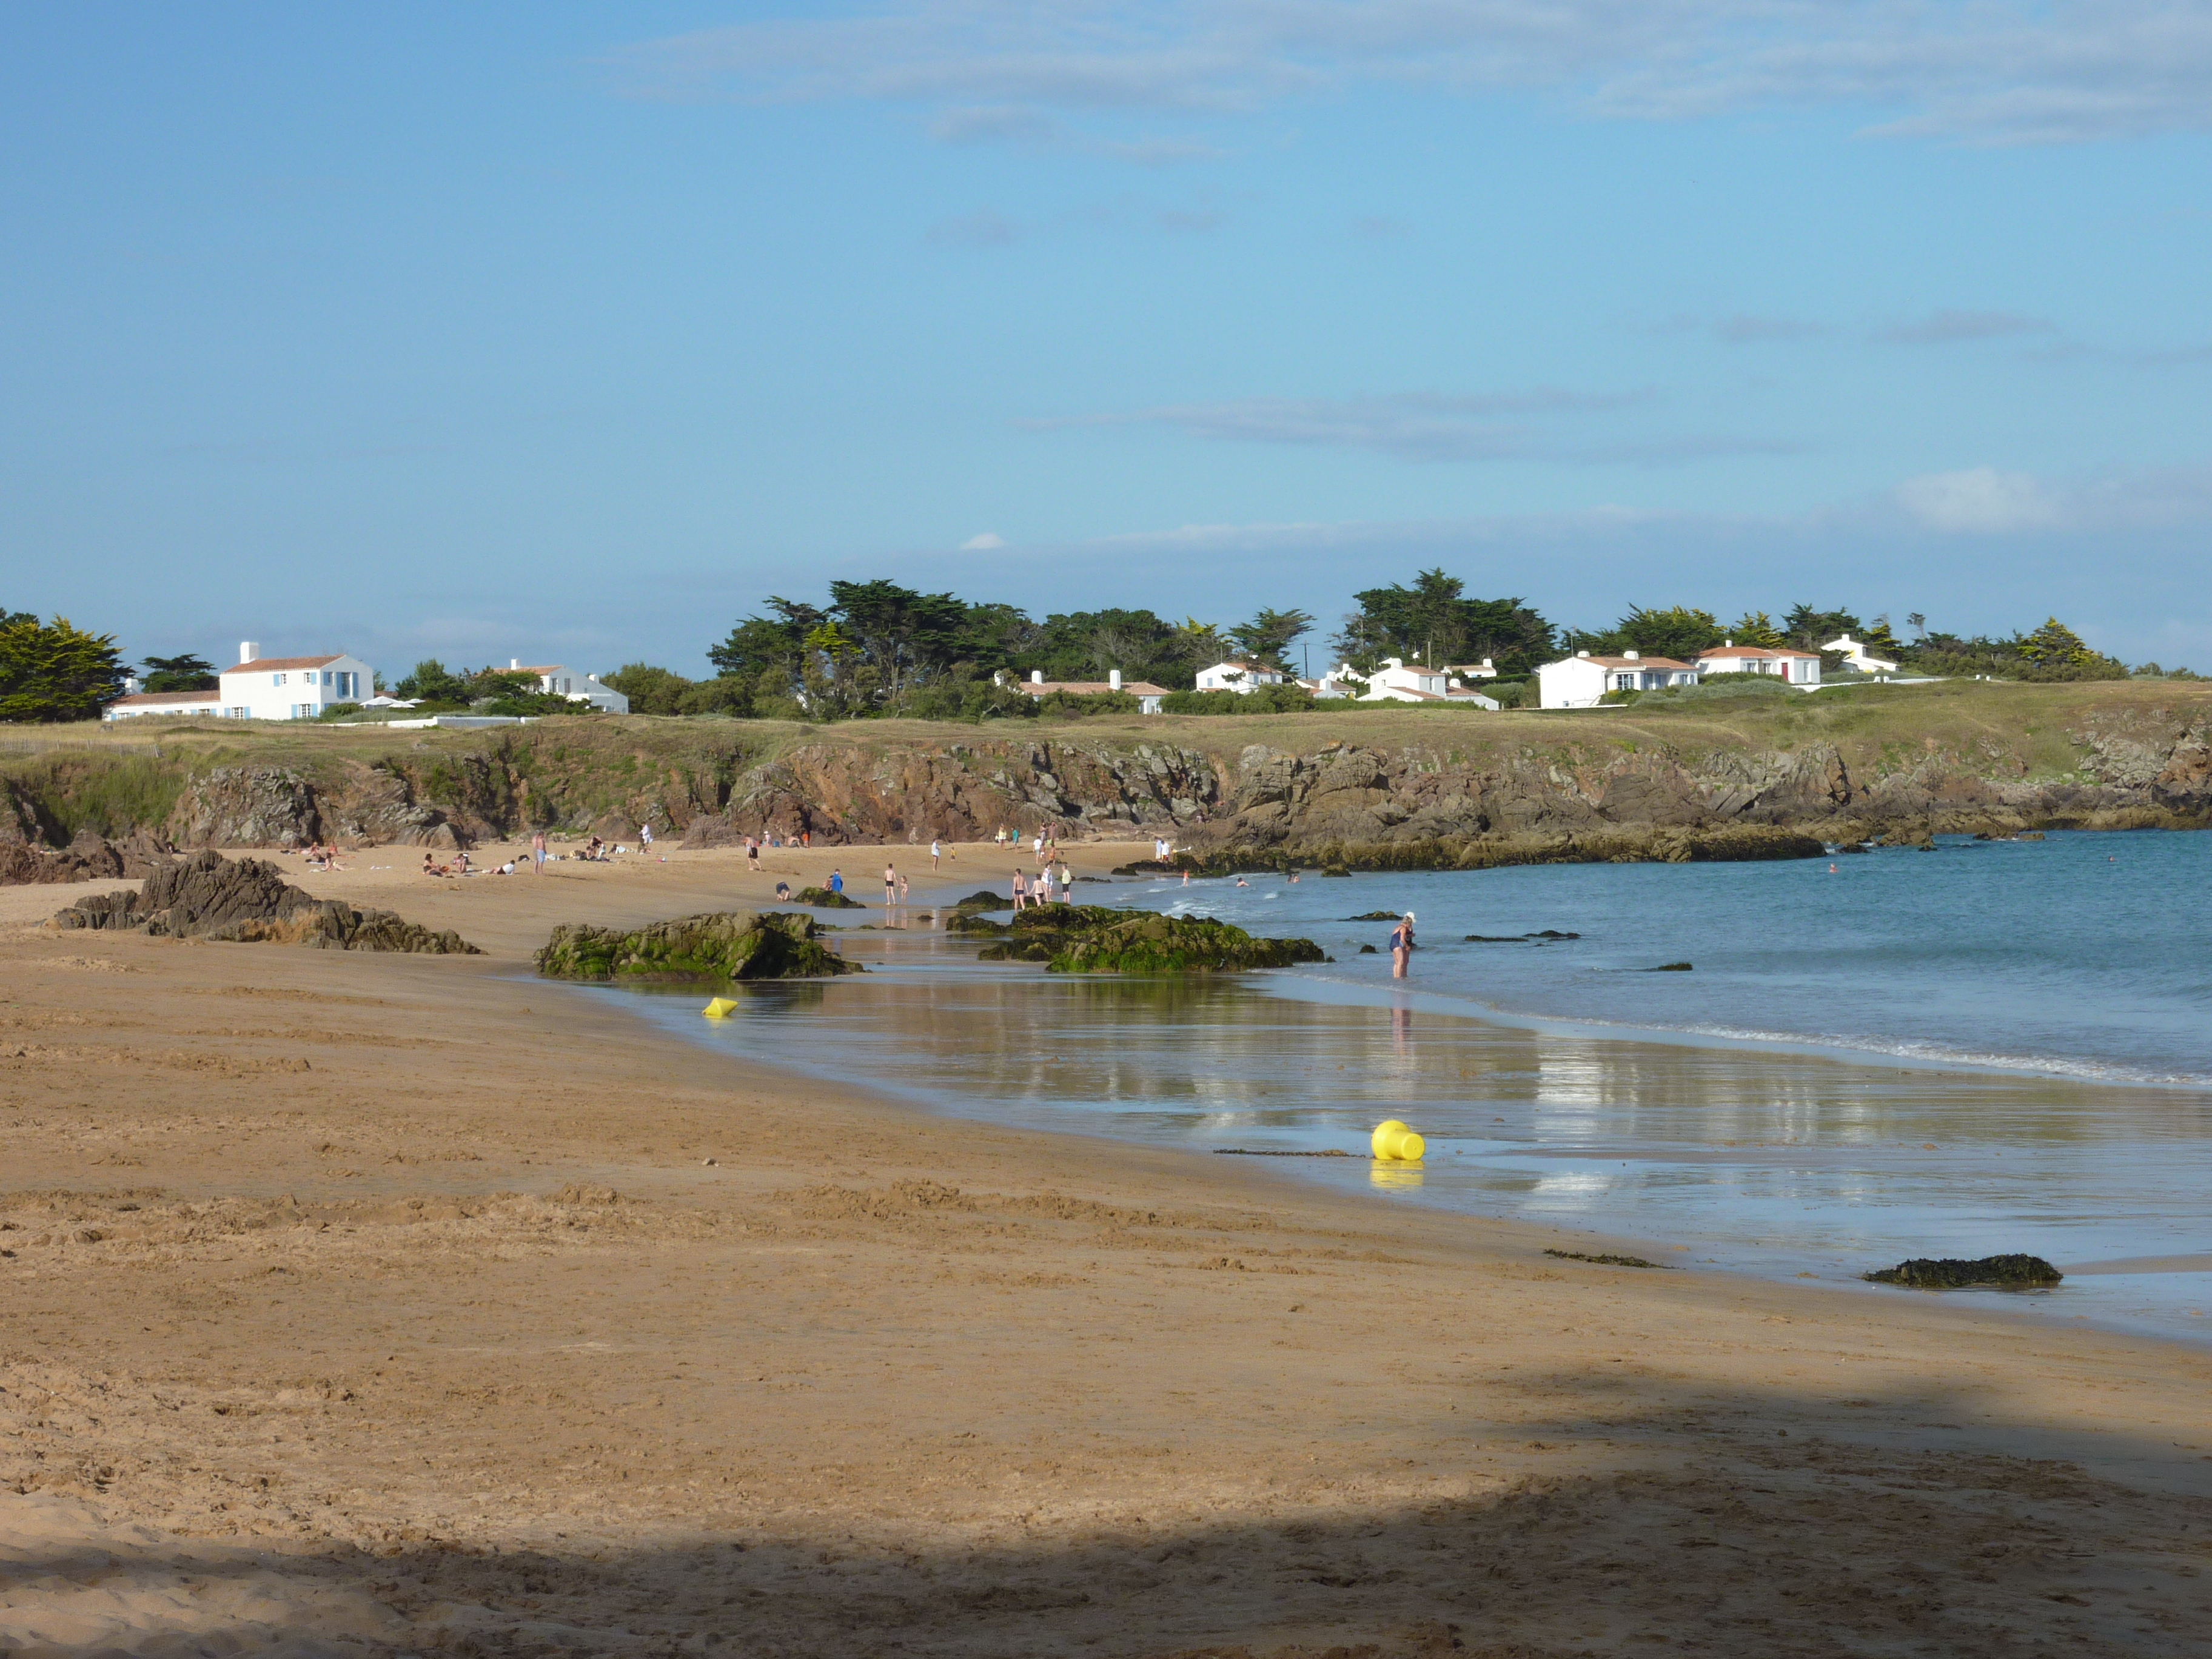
{"x": 877, "y": 649}
{"x": 2052, "y": 652}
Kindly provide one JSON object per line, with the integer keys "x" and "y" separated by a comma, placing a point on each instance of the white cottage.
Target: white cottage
{"x": 261, "y": 689}
{"x": 556, "y": 681}
{"x": 1238, "y": 676}
{"x": 1148, "y": 694}
{"x": 1399, "y": 681}
{"x": 1581, "y": 681}
{"x": 1792, "y": 666}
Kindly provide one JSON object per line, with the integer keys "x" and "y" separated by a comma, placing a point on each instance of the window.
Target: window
{"x": 276, "y": 679}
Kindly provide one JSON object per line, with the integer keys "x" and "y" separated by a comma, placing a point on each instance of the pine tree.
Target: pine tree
{"x": 56, "y": 672}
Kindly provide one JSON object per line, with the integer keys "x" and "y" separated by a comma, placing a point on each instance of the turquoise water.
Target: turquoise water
{"x": 1992, "y": 1047}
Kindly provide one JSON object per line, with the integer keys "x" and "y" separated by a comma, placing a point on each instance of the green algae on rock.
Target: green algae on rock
{"x": 821, "y": 898}
{"x": 1950, "y": 1273}
{"x": 722, "y": 946}
{"x": 1091, "y": 939}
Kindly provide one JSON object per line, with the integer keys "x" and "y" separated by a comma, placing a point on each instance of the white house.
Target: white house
{"x": 1795, "y": 667}
{"x": 1582, "y": 680}
{"x": 162, "y": 702}
{"x": 554, "y": 681}
{"x": 1238, "y": 676}
{"x": 1148, "y": 694}
{"x": 1398, "y": 681}
{"x": 261, "y": 689}
{"x": 1856, "y": 655}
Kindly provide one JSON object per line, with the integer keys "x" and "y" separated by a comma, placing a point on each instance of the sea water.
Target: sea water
{"x": 1991, "y": 1047}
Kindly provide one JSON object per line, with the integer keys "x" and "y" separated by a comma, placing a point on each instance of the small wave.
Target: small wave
{"x": 1920, "y": 1052}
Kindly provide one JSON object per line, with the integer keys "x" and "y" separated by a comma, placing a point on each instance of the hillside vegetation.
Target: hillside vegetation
{"x": 1961, "y": 754}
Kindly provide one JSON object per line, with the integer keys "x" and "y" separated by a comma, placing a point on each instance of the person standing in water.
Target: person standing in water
{"x": 1021, "y": 890}
{"x": 891, "y": 886}
{"x": 1401, "y": 946}
{"x": 936, "y": 851}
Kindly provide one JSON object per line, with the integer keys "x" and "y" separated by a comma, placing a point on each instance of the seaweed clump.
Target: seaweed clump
{"x": 1949, "y": 1273}
{"x": 729, "y": 945}
{"x": 1091, "y": 938}
{"x": 1609, "y": 1261}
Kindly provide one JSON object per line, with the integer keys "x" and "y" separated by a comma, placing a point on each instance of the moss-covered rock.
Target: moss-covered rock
{"x": 821, "y": 898}
{"x": 1089, "y": 938}
{"x": 1949, "y": 1273}
{"x": 982, "y": 899}
{"x": 730, "y": 944}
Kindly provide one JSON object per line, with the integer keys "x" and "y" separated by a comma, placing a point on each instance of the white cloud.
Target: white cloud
{"x": 2003, "y": 72}
{"x": 1949, "y": 327}
{"x": 1981, "y": 501}
{"x": 982, "y": 228}
{"x": 989, "y": 541}
{"x": 1427, "y": 426}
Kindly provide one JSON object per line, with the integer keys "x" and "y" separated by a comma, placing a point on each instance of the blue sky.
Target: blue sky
{"x": 567, "y": 332}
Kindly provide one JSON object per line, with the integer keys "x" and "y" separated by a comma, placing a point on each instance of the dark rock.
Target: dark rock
{"x": 1368, "y": 950}
{"x": 1608, "y": 1260}
{"x": 982, "y": 899}
{"x": 740, "y": 945}
{"x": 1671, "y": 968}
{"x": 1949, "y": 1273}
{"x": 1334, "y": 870}
{"x": 1549, "y": 935}
{"x": 1375, "y": 916}
{"x": 822, "y": 898}
{"x": 1088, "y": 938}
{"x": 208, "y": 897}
{"x": 90, "y": 857}
{"x": 978, "y": 927}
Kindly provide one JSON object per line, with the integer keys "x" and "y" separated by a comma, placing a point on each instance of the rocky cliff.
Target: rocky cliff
{"x": 1731, "y": 778}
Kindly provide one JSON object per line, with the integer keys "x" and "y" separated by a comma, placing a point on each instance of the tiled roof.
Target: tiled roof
{"x": 261, "y": 663}
{"x": 1633, "y": 662}
{"x": 1092, "y": 688}
{"x": 138, "y": 698}
{"x": 1755, "y": 651}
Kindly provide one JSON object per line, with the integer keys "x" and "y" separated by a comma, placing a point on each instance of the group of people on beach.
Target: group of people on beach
{"x": 1028, "y": 893}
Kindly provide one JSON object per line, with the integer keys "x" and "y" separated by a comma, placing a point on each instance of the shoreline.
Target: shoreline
{"x": 968, "y": 1388}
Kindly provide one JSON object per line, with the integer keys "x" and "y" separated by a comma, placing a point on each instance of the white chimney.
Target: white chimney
{"x": 1582, "y": 654}
{"x": 1632, "y": 655}
{"x": 1036, "y": 677}
{"x": 514, "y": 662}
{"x": 249, "y": 651}
{"x": 1725, "y": 644}
{"x": 1114, "y": 678}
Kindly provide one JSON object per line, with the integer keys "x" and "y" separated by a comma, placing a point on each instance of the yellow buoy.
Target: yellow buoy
{"x": 1385, "y": 1136}
{"x": 719, "y": 1008}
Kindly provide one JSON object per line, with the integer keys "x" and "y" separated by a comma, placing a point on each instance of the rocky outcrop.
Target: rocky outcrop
{"x": 736, "y": 944}
{"x": 270, "y": 806}
{"x": 208, "y": 897}
{"x": 88, "y": 858}
{"x": 840, "y": 793}
{"x": 1086, "y": 939}
{"x": 1950, "y": 1273}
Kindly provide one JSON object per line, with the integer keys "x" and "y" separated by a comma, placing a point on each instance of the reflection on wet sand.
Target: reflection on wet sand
{"x": 1769, "y": 1162}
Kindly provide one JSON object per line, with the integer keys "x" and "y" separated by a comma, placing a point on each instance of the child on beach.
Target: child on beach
{"x": 936, "y": 851}
{"x": 752, "y": 855}
{"x": 537, "y": 853}
{"x": 837, "y": 883}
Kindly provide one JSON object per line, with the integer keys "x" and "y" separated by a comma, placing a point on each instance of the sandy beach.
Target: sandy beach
{"x": 366, "y": 1305}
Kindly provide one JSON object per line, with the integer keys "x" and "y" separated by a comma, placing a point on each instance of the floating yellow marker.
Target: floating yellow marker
{"x": 1393, "y": 1142}
{"x": 719, "y": 1008}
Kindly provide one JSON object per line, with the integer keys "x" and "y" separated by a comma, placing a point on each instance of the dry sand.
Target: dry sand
{"x": 366, "y": 1305}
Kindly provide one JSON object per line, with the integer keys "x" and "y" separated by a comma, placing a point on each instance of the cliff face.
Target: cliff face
{"x": 1719, "y": 780}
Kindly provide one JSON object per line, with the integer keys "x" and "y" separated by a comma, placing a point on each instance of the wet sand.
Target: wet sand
{"x": 363, "y": 1303}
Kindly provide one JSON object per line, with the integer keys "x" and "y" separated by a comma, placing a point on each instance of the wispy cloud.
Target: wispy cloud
{"x": 1740, "y": 330}
{"x": 1427, "y": 426}
{"x": 1949, "y": 327}
{"x": 1985, "y": 501}
{"x": 2001, "y": 71}
{"x": 989, "y": 542}
{"x": 982, "y": 228}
